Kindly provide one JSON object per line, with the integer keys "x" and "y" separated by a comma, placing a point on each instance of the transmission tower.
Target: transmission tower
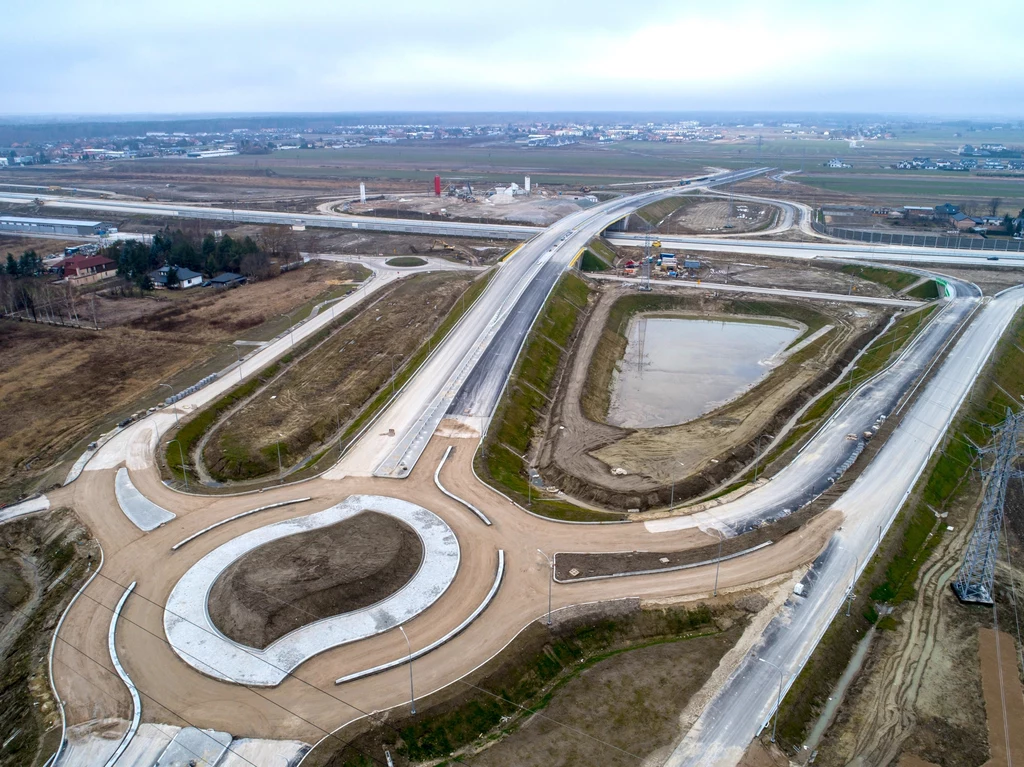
{"x": 645, "y": 263}
{"x": 974, "y": 582}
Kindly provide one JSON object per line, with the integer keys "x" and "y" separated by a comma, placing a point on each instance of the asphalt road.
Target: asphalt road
{"x": 746, "y": 702}
{"x": 859, "y": 251}
{"x": 466, "y": 374}
{"x": 335, "y": 220}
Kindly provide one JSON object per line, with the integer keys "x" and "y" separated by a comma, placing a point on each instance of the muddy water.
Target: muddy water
{"x": 682, "y": 368}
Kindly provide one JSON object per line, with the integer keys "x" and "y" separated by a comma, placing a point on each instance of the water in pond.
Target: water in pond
{"x": 677, "y": 369}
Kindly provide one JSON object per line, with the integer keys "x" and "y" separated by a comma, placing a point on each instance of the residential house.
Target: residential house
{"x": 944, "y": 211}
{"x": 186, "y": 277}
{"x": 963, "y": 223}
{"x": 82, "y": 270}
{"x": 227, "y": 280}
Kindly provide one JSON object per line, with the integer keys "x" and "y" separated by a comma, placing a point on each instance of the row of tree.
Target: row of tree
{"x": 29, "y": 264}
{"x": 207, "y": 254}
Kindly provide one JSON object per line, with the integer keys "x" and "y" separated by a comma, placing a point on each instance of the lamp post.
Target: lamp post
{"x": 392, "y": 358}
{"x": 718, "y": 563}
{"x": 778, "y": 702}
{"x": 757, "y": 457}
{"x": 238, "y": 355}
{"x": 181, "y": 454}
{"x": 176, "y": 424}
{"x": 412, "y": 695}
{"x": 551, "y": 578}
{"x": 280, "y": 470}
{"x": 672, "y": 496}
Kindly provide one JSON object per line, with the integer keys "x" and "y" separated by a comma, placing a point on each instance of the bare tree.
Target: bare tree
{"x": 993, "y": 205}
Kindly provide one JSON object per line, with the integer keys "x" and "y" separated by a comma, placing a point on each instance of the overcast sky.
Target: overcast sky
{"x": 119, "y": 56}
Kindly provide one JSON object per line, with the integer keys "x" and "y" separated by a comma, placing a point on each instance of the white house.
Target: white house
{"x": 186, "y": 277}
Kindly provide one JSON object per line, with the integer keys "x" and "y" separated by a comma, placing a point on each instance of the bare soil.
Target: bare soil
{"x": 1004, "y": 701}
{"x": 303, "y": 578}
{"x": 539, "y": 209}
{"x": 59, "y": 385}
{"x": 714, "y": 215}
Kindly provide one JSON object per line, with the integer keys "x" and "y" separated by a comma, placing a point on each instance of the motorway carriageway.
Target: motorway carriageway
{"x": 838, "y": 250}
{"x": 744, "y": 705}
{"x": 464, "y": 377}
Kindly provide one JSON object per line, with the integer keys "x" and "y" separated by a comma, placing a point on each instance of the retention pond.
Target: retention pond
{"x": 678, "y": 368}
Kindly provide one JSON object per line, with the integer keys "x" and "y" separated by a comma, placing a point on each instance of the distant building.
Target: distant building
{"x": 228, "y": 279}
{"x": 22, "y": 225}
{"x": 186, "y": 277}
{"x": 835, "y": 162}
{"x": 82, "y": 270}
{"x": 962, "y": 222}
{"x": 946, "y": 210}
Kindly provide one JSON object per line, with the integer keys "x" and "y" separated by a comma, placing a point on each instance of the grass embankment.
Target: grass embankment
{"x": 889, "y": 578}
{"x": 406, "y": 261}
{"x": 591, "y": 262}
{"x": 527, "y": 397}
{"x": 596, "y": 396}
{"x": 656, "y": 212}
{"x": 879, "y": 355}
{"x": 927, "y": 291}
{"x": 895, "y": 281}
{"x": 520, "y": 682}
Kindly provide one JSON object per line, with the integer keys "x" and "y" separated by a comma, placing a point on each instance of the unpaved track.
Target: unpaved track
{"x": 306, "y": 705}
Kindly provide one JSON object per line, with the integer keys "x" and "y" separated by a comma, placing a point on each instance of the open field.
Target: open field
{"x": 931, "y": 190}
{"x": 302, "y": 578}
{"x": 61, "y": 386}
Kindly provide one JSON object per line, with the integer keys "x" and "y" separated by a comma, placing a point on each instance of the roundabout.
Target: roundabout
{"x": 196, "y": 639}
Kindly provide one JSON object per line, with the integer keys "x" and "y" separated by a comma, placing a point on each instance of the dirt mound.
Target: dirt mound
{"x": 300, "y": 579}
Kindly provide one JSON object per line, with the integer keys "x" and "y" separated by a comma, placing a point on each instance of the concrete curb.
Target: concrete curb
{"x": 53, "y": 644}
{"x": 133, "y": 691}
{"x": 467, "y": 504}
{"x": 215, "y": 525}
{"x": 674, "y": 568}
{"x": 142, "y": 512}
{"x": 498, "y": 576}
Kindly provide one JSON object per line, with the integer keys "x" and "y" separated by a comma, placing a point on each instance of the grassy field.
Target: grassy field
{"x": 309, "y": 404}
{"x": 889, "y": 578}
{"x": 924, "y": 190}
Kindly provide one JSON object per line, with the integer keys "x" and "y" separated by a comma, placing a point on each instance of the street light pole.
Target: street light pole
{"x": 399, "y": 356}
{"x": 176, "y": 424}
{"x": 412, "y": 695}
{"x": 280, "y": 471}
{"x": 778, "y": 702}
{"x": 551, "y": 578}
{"x": 718, "y": 564}
{"x": 757, "y": 456}
{"x": 238, "y": 355}
{"x": 181, "y": 454}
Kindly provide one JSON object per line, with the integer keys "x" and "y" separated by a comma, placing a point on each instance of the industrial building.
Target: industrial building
{"x": 20, "y": 225}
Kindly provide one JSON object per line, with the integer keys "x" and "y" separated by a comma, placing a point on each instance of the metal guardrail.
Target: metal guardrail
{"x": 920, "y": 240}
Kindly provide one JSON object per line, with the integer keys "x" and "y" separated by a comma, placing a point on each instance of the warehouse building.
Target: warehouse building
{"x": 20, "y": 225}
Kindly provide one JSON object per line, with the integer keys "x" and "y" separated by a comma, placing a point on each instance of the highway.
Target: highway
{"x": 439, "y": 227}
{"x": 465, "y": 376}
{"x": 860, "y": 251}
{"x": 450, "y": 400}
{"x": 746, "y": 702}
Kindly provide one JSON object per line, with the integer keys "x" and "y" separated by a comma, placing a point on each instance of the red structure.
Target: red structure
{"x": 437, "y": 186}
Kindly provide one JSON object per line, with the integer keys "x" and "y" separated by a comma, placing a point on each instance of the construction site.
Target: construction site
{"x": 374, "y": 480}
